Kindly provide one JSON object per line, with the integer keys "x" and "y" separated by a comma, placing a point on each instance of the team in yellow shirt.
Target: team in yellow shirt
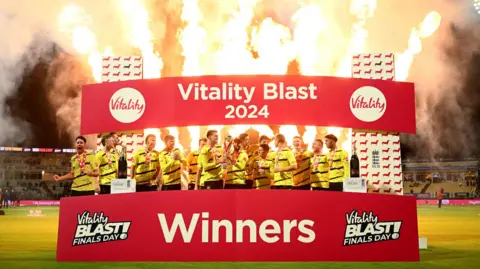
{"x": 235, "y": 165}
{"x": 84, "y": 171}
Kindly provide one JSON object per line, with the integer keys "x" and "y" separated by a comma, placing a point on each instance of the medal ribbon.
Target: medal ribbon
{"x": 109, "y": 157}
{"x": 277, "y": 158}
{"x": 299, "y": 156}
{"x": 235, "y": 157}
{"x": 81, "y": 162}
{"x": 315, "y": 161}
{"x": 214, "y": 152}
{"x": 332, "y": 155}
{"x": 148, "y": 155}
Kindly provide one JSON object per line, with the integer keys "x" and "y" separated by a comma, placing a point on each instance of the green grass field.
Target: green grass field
{"x": 453, "y": 234}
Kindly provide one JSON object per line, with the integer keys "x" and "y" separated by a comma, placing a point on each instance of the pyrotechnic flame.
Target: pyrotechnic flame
{"x": 404, "y": 60}
{"x": 194, "y": 132}
{"x": 347, "y": 143}
{"x": 362, "y": 10}
{"x": 237, "y": 130}
{"x": 191, "y": 39}
{"x": 141, "y": 37}
{"x": 309, "y": 135}
{"x": 234, "y": 57}
{"x": 309, "y": 23}
{"x": 173, "y": 131}
{"x": 272, "y": 42}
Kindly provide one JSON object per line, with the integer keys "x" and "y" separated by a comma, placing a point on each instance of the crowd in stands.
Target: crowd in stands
{"x": 456, "y": 185}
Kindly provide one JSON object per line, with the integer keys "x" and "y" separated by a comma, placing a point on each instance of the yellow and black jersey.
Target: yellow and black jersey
{"x": 319, "y": 172}
{"x": 192, "y": 163}
{"x": 252, "y": 153}
{"x": 339, "y": 165}
{"x": 262, "y": 180}
{"x": 145, "y": 170}
{"x": 301, "y": 176}
{"x": 171, "y": 169}
{"x": 236, "y": 173}
{"x": 210, "y": 161}
{"x": 283, "y": 158}
{"x": 82, "y": 182}
{"x": 108, "y": 165}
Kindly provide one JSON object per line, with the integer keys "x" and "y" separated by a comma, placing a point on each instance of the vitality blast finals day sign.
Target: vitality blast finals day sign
{"x": 231, "y": 225}
{"x": 227, "y": 100}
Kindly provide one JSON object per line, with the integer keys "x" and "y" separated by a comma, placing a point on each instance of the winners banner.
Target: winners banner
{"x": 229, "y": 100}
{"x": 238, "y": 225}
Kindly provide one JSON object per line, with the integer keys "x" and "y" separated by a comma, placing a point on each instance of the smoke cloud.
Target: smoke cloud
{"x": 446, "y": 89}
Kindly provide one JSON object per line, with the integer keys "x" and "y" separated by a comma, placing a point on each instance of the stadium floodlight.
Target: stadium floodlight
{"x": 476, "y": 5}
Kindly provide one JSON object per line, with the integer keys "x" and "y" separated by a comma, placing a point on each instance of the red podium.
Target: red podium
{"x": 241, "y": 225}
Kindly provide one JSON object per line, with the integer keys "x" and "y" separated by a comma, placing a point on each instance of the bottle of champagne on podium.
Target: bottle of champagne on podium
{"x": 354, "y": 164}
{"x": 122, "y": 164}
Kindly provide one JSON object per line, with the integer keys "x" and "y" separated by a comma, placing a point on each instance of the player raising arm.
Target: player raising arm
{"x": 84, "y": 171}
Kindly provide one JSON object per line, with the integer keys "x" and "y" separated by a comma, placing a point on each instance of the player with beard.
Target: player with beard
{"x": 284, "y": 164}
{"x": 236, "y": 164}
{"x": 84, "y": 171}
{"x": 145, "y": 165}
{"x": 319, "y": 168}
{"x": 107, "y": 160}
{"x": 338, "y": 163}
{"x": 171, "y": 162}
{"x": 192, "y": 161}
{"x": 301, "y": 176}
{"x": 212, "y": 161}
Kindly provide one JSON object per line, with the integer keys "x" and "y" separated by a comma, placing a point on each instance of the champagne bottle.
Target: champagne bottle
{"x": 354, "y": 164}
{"x": 122, "y": 164}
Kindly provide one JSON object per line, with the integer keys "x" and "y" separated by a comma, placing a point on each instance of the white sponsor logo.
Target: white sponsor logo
{"x": 368, "y": 104}
{"x": 239, "y": 231}
{"x": 366, "y": 228}
{"x": 127, "y": 105}
{"x": 97, "y": 229}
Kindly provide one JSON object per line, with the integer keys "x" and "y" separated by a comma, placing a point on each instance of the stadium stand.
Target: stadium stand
{"x": 26, "y": 173}
{"x": 458, "y": 179}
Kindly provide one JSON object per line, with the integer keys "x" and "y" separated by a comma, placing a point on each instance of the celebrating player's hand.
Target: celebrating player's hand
{"x": 97, "y": 188}
{"x": 56, "y": 177}
{"x": 176, "y": 156}
{"x": 90, "y": 173}
{"x": 277, "y": 169}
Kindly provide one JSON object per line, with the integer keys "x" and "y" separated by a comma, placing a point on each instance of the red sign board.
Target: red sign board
{"x": 238, "y": 225}
{"x": 229, "y": 100}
